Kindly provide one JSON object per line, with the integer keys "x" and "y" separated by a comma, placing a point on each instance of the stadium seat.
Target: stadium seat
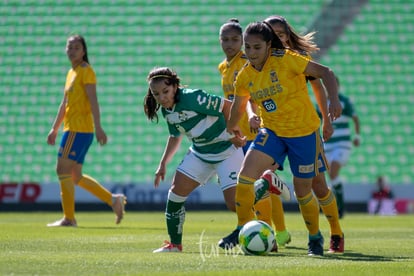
{"x": 126, "y": 40}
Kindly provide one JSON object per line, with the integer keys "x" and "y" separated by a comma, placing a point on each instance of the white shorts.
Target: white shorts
{"x": 201, "y": 171}
{"x": 338, "y": 152}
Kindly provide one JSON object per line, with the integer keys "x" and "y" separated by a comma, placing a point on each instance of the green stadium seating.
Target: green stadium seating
{"x": 374, "y": 50}
{"x": 126, "y": 39}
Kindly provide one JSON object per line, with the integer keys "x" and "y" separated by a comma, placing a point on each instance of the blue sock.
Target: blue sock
{"x": 315, "y": 237}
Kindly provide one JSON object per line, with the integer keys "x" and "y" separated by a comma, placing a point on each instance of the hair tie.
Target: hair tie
{"x": 159, "y": 76}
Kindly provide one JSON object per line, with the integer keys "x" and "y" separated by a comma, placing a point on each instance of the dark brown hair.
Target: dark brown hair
{"x": 159, "y": 74}
{"x": 83, "y": 42}
{"x": 233, "y": 24}
{"x": 265, "y": 30}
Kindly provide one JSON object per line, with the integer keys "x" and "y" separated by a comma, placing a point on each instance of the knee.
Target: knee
{"x": 302, "y": 187}
{"x": 180, "y": 191}
{"x": 320, "y": 189}
{"x": 76, "y": 178}
{"x": 321, "y": 192}
{"x": 172, "y": 196}
{"x": 61, "y": 169}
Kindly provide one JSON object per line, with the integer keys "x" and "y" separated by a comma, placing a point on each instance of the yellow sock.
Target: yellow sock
{"x": 263, "y": 209}
{"x": 67, "y": 194}
{"x": 278, "y": 214}
{"x": 310, "y": 212}
{"x": 330, "y": 209}
{"x": 93, "y": 186}
{"x": 245, "y": 199}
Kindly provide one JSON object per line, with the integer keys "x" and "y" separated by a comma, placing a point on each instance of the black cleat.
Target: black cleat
{"x": 230, "y": 241}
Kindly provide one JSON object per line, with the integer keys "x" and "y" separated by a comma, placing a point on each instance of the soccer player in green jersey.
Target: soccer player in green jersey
{"x": 202, "y": 118}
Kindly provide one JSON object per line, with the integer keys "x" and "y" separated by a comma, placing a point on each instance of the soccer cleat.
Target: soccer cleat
{"x": 274, "y": 248}
{"x": 118, "y": 206}
{"x": 168, "y": 248}
{"x": 283, "y": 238}
{"x": 315, "y": 247}
{"x": 230, "y": 241}
{"x": 63, "y": 222}
{"x": 276, "y": 185}
{"x": 337, "y": 245}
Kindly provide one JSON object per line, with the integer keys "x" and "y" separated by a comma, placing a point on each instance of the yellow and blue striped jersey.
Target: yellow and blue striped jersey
{"x": 229, "y": 71}
{"x": 78, "y": 116}
{"x": 281, "y": 93}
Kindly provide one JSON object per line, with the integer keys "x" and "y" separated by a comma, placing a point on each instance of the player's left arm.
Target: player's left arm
{"x": 357, "y": 137}
{"x": 320, "y": 96}
{"x": 327, "y": 76}
{"x": 93, "y": 100}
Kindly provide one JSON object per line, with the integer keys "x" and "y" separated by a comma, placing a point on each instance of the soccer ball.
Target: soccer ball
{"x": 256, "y": 238}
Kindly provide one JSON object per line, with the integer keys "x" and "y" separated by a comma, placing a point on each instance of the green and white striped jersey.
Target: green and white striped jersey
{"x": 341, "y": 126}
{"x": 199, "y": 116}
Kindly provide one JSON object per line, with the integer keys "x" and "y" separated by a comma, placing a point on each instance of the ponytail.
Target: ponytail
{"x": 159, "y": 74}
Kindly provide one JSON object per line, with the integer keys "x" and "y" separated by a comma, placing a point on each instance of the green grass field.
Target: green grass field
{"x": 374, "y": 245}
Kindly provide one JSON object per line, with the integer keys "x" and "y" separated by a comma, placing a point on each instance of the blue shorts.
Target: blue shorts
{"x": 305, "y": 153}
{"x": 75, "y": 145}
{"x": 247, "y": 146}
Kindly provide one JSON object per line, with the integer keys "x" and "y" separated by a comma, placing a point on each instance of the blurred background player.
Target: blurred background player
{"x": 304, "y": 45}
{"x": 79, "y": 112}
{"x": 231, "y": 40}
{"x": 382, "y": 189}
{"x": 381, "y": 201}
{"x": 202, "y": 118}
{"x": 338, "y": 148}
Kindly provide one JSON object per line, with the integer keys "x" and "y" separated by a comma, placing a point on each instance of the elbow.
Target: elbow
{"x": 327, "y": 73}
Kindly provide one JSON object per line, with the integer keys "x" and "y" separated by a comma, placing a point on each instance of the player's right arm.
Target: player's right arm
{"x": 51, "y": 137}
{"x": 173, "y": 144}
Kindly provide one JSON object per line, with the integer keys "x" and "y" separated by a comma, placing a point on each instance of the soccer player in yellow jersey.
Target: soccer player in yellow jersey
{"x": 304, "y": 45}
{"x": 79, "y": 112}
{"x": 231, "y": 41}
{"x": 274, "y": 80}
